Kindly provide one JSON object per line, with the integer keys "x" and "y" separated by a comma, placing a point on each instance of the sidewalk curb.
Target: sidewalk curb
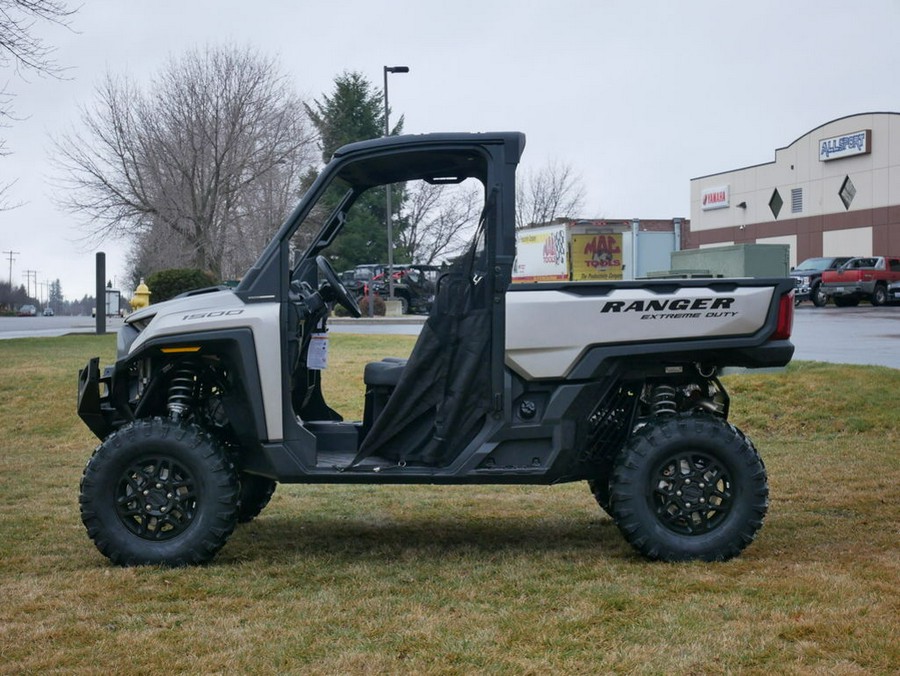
{"x": 406, "y": 319}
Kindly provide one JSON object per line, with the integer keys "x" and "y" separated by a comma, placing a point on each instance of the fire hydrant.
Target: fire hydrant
{"x": 141, "y": 296}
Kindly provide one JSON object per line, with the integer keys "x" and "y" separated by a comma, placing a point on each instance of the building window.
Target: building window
{"x": 776, "y": 203}
{"x": 847, "y": 192}
{"x": 796, "y": 200}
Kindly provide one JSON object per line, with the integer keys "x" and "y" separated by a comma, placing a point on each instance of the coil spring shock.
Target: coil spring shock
{"x": 663, "y": 400}
{"x": 181, "y": 391}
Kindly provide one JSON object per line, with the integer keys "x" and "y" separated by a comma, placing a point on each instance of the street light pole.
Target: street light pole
{"x": 390, "y": 226}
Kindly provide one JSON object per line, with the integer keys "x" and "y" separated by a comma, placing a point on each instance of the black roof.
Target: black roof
{"x": 443, "y": 157}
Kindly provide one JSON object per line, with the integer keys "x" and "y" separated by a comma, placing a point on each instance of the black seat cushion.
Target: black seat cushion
{"x": 384, "y": 373}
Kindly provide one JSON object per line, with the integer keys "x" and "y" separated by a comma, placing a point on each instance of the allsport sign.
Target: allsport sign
{"x": 836, "y": 147}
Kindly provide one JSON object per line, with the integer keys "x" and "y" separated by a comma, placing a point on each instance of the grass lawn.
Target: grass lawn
{"x": 459, "y": 580}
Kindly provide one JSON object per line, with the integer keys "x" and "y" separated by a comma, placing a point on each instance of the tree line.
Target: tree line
{"x": 13, "y": 297}
{"x": 199, "y": 167}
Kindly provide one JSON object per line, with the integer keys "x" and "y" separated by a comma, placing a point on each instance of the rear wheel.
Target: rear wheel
{"x": 256, "y": 491}
{"x": 689, "y": 487}
{"x": 600, "y": 490}
{"x": 159, "y": 492}
{"x": 846, "y": 301}
{"x": 880, "y": 295}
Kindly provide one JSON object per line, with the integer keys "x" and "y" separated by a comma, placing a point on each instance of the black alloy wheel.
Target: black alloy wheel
{"x": 687, "y": 487}
{"x": 159, "y": 492}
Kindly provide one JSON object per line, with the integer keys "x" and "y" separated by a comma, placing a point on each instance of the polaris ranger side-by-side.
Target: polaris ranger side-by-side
{"x": 216, "y": 395}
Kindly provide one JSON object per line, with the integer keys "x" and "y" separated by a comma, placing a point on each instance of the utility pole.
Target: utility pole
{"x": 28, "y": 275}
{"x": 10, "y": 255}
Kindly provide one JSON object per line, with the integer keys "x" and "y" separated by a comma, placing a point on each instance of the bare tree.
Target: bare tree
{"x": 438, "y": 219}
{"x": 18, "y": 43}
{"x": 555, "y": 191}
{"x": 210, "y": 158}
{"x": 22, "y": 50}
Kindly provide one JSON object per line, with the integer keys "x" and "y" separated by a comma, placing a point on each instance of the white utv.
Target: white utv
{"x": 216, "y": 395}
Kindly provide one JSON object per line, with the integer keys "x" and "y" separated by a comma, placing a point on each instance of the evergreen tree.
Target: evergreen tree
{"x": 355, "y": 112}
{"x": 55, "y": 299}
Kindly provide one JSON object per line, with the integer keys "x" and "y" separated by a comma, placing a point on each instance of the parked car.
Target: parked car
{"x": 865, "y": 278}
{"x": 27, "y": 311}
{"x": 48, "y": 312}
{"x": 808, "y": 278}
{"x": 894, "y": 292}
{"x": 414, "y": 286}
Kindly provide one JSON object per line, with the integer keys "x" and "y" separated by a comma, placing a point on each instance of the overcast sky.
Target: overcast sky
{"x": 638, "y": 96}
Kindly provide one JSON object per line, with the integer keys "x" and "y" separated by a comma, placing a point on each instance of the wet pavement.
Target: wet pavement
{"x": 850, "y": 335}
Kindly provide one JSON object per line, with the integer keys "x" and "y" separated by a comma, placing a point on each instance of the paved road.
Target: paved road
{"x": 36, "y": 327}
{"x": 860, "y": 335}
{"x": 852, "y": 335}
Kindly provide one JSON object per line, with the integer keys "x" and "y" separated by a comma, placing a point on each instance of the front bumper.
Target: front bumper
{"x": 802, "y": 290}
{"x": 840, "y": 290}
{"x": 94, "y": 398}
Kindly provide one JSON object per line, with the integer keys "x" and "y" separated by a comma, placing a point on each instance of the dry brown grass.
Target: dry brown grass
{"x": 418, "y": 579}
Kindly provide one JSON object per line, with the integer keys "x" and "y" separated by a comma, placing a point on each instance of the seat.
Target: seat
{"x": 383, "y": 373}
{"x": 380, "y": 378}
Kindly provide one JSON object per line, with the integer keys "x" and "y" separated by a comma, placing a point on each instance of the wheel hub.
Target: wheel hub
{"x": 691, "y": 493}
{"x": 156, "y": 499}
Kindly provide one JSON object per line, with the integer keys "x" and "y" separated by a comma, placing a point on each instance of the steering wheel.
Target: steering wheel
{"x": 341, "y": 294}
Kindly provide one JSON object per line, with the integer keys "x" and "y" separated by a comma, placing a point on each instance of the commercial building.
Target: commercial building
{"x": 833, "y": 191}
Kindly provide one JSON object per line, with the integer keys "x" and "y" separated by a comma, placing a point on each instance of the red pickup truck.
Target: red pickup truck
{"x": 859, "y": 279}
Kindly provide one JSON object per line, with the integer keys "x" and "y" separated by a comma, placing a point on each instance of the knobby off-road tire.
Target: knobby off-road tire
{"x": 688, "y": 487}
{"x": 159, "y": 492}
{"x": 599, "y": 485}
{"x": 600, "y": 490}
{"x": 255, "y": 493}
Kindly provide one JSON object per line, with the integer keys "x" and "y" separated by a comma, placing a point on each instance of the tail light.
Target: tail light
{"x": 785, "y": 318}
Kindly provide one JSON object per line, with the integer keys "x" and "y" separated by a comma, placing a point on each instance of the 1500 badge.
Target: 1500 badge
{"x": 209, "y": 315}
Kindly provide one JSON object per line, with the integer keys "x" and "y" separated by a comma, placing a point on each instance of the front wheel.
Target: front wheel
{"x": 818, "y": 297}
{"x": 689, "y": 487}
{"x": 159, "y": 492}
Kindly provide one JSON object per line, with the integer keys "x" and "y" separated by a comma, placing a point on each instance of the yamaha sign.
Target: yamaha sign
{"x": 714, "y": 198}
{"x": 855, "y": 143}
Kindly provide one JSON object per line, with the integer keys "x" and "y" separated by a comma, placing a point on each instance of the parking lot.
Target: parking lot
{"x": 852, "y": 335}
{"x": 855, "y": 335}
